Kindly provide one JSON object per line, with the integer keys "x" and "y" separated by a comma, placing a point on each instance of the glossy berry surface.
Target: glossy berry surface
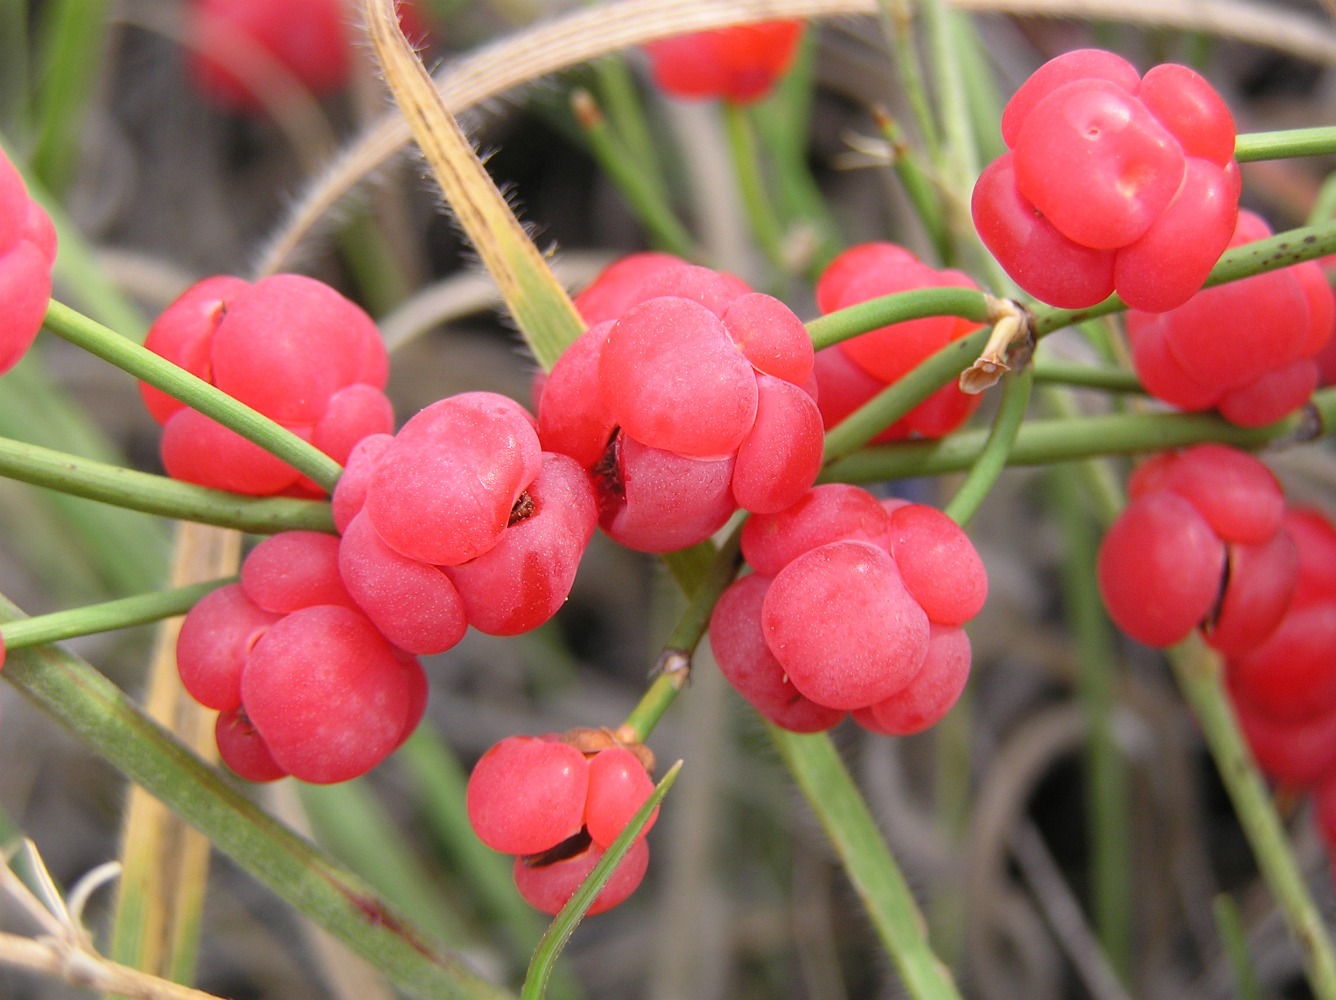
{"x": 27, "y": 253}
{"x": 527, "y": 794}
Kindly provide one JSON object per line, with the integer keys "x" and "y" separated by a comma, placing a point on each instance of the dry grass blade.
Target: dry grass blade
{"x": 527, "y": 56}
{"x": 536, "y": 300}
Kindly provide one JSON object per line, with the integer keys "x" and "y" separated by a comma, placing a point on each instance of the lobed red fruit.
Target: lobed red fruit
{"x": 739, "y": 63}
{"x": 27, "y": 252}
{"x": 243, "y": 49}
{"x": 692, "y": 401}
{"x": 1243, "y": 347}
{"x": 288, "y": 346}
{"x": 1112, "y": 182}
{"x": 618, "y": 787}
{"x": 1201, "y": 543}
{"x": 548, "y": 887}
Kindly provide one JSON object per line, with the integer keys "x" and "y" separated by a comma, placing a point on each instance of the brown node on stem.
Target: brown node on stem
{"x": 1009, "y": 345}
{"x": 591, "y": 741}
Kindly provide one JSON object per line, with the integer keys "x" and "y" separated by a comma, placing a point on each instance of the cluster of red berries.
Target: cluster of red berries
{"x": 852, "y": 372}
{"x": 740, "y": 64}
{"x": 557, "y": 803}
{"x": 1114, "y": 181}
{"x": 458, "y": 519}
{"x": 1200, "y": 544}
{"x": 689, "y": 396}
{"x": 27, "y": 251}
{"x": 289, "y": 347}
{"x": 461, "y": 518}
{"x": 304, "y": 684}
{"x": 854, "y": 605}
{"x": 1246, "y": 348}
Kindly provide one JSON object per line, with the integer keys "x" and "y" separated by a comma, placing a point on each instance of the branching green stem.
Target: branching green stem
{"x": 854, "y": 320}
{"x": 1041, "y": 442}
{"x": 128, "y": 488}
{"x": 148, "y": 367}
{"x": 1198, "y": 672}
{"x": 996, "y": 450}
{"x": 674, "y": 664}
{"x": 121, "y": 613}
{"x": 765, "y": 224}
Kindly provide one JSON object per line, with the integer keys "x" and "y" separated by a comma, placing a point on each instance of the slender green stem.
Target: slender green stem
{"x": 1284, "y": 145}
{"x": 765, "y": 224}
{"x": 901, "y": 396}
{"x": 74, "y": 33}
{"x": 644, "y": 197}
{"x": 1229, "y": 925}
{"x": 674, "y": 664}
{"x": 961, "y": 157}
{"x": 142, "y": 491}
{"x": 996, "y": 449}
{"x": 918, "y": 186}
{"x": 1198, "y": 672}
{"x": 1041, "y": 442}
{"x": 874, "y": 874}
{"x": 617, "y": 87}
{"x": 148, "y": 367}
{"x": 560, "y": 931}
{"x": 97, "y": 712}
{"x": 1281, "y": 250}
{"x": 1086, "y": 376}
{"x": 1107, "y": 809}
{"x": 874, "y": 313}
{"x": 92, "y": 618}
{"x": 897, "y": 24}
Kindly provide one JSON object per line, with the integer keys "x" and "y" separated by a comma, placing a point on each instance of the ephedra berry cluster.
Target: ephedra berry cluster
{"x": 692, "y": 400}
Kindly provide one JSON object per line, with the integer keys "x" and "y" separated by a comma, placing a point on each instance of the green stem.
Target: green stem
{"x": 645, "y": 198}
{"x": 1086, "y": 376}
{"x": 142, "y": 491}
{"x": 1198, "y": 672}
{"x": 97, "y": 712}
{"x": 874, "y": 313}
{"x": 92, "y": 618}
{"x": 897, "y": 24}
{"x": 1284, "y": 145}
{"x": 996, "y": 449}
{"x": 918, "y": 186}
{"x": 617, "y": 87}
{"x": 1041, "y": 442}
{"x": 872, "y": 870}
{"x": 901, "y": 396}
{"x": 765, "y": 224}
{"x": 674, "y": 664}
{"x": 1281, "y": 250}
{"x": 148, "y": 367}
{"x": 1107, "y": 808}
{"x": 1229, "y": 925}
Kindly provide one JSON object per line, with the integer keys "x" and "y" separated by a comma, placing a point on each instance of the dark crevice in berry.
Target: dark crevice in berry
{"x": 524, "y": 509}
{"x": 1213, "y": 616}
{"x": 568, "y": 848}
{"x": 606, "y": 473}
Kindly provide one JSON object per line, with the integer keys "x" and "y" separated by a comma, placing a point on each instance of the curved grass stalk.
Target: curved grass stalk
{"x": 592, "y": 32}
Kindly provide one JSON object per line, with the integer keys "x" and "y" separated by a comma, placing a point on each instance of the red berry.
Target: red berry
{"x": 214, "y": 642}
{"x": 243, "y": 749}
{"x": 938, "y": 563}
{"x": 826, "y": 513}
{"x": 292, "y": 570}
{"x": 926, "y": 699}
{"x": 739, "y": 63}
{"x": 234, "y": 44}
{"x": 1097, "y": 164}
{"x": 1160, "y": 566}
{"x": 527, "y": 794}
{"x": 618, "y": 787}
{"x": 550, "y": 886}
{"x": 1079, "y": 64}
{"x": 842, "y": 623}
